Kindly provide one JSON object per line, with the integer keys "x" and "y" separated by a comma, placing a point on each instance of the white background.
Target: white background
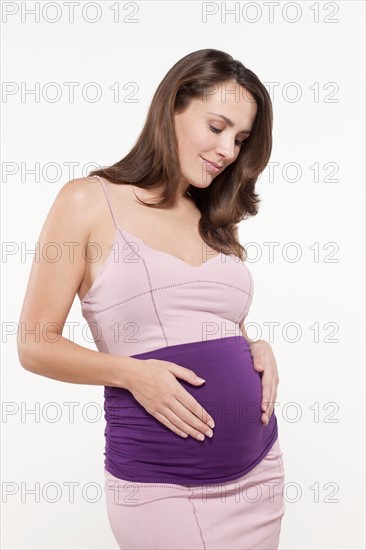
{"x": 323, "y": 371}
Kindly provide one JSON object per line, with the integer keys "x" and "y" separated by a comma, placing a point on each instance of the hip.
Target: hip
{"x": 244, "y": 513}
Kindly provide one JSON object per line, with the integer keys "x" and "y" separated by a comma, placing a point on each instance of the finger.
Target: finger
{"x": 190, "y": 403}
{"x": 258, "y": 365}
{"x": 257, "y": 353}
{"x": 266, "y": 391}
{"x": 163, "y": 420}
{"x": 273, "y": 396}
{"x": 267, "y": 397}
{"x": 268, "y": 410}
{"x": 183, "y": 419}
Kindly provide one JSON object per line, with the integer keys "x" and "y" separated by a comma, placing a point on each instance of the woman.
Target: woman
{"x": 192, "y": 457}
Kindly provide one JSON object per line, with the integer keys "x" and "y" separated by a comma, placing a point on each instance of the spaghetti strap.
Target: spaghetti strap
{"x": 109, "y": 202}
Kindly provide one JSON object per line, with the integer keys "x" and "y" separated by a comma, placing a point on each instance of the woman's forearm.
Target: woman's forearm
{"x": 69, "y": 362}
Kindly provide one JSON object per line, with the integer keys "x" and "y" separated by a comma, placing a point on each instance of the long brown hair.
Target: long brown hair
{"x": 154, "y": 158}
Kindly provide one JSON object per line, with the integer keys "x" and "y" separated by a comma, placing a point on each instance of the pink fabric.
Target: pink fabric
{"x": 144, "y": 299}
{"x": 245, "y": 514}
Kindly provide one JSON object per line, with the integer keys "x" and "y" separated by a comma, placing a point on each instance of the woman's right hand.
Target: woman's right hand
{"x": 156, "y": 388}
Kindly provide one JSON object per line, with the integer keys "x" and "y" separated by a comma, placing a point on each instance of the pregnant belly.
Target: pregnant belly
{"x": 140, "y": 448}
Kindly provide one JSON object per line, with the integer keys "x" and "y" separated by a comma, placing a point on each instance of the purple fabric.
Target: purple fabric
{"x": 140, "y": 448}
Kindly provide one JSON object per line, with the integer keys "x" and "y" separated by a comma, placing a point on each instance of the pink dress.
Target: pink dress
{"x": 163, "y": 491}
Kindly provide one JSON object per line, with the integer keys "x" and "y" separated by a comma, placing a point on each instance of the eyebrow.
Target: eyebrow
{"x": 229, "y": 122}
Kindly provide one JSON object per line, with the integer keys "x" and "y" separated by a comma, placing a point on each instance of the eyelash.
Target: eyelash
{"x": 217, "y": 131}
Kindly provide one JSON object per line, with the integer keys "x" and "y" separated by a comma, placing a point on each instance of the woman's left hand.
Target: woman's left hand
{"x": 265, "y": 363}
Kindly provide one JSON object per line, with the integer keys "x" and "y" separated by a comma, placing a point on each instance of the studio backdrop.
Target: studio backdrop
{"x": 77, "y": 81}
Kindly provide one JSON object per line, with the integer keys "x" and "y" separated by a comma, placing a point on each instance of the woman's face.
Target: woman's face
{"x": 203, "y": 135}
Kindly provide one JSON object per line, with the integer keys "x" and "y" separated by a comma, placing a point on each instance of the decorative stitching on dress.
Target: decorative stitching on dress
{"x": 104, "y": 340}
{"x": 185, "y": 489}
{"x": 150, "y": 291}
{"x": 139, "y": 486}
{"x": 196, "y": 518}
{"x": 171, "y": 286}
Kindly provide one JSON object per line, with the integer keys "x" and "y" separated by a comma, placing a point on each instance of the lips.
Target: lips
{"x": 212, "y": 163}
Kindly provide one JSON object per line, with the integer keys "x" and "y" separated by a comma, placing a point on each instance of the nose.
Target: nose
{"x": 226, "y": 149}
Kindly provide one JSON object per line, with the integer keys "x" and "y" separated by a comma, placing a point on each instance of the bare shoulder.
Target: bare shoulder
{"x": 53, "y": 284}
{"x": 80, "y": 191}
{"x": 77, "y": 202}
{"x": 87, "y": 194}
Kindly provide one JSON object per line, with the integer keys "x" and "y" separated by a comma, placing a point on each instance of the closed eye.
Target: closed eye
{"x": 218, "y": 131}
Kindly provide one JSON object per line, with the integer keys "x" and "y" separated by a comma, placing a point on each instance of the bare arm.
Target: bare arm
{"x": 50, "y": 293}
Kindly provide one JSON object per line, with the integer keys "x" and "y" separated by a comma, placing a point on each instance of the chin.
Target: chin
{"x": 200, "y": 185}
{"x": 197, "y": 182}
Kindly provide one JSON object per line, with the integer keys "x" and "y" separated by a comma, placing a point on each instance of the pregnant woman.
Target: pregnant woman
{"x": 190, "y": 460}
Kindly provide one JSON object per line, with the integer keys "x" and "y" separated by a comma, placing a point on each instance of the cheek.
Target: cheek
{"x": 202, "y": 141}
{"x": 191, "y": 145}
{"x": 195, "y": 140}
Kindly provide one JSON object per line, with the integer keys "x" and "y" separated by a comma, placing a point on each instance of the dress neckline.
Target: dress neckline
{"x": 124, "y": 232}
